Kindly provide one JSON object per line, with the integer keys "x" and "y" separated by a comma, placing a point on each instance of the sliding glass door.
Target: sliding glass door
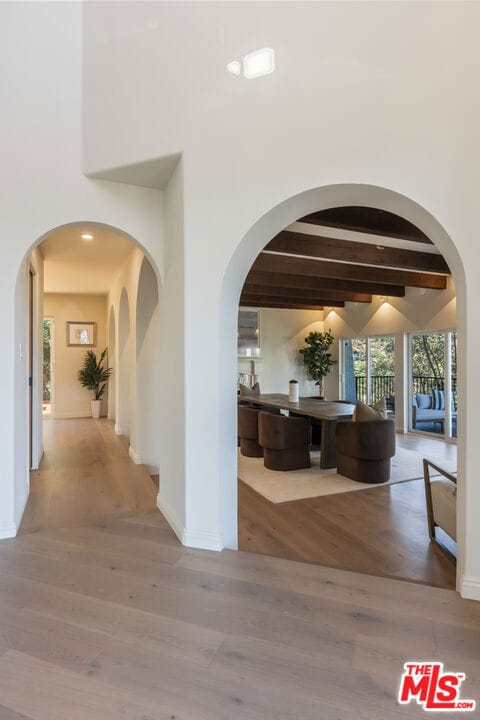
{"x": 433, "y": 383}
{"x": 369, "y": 369}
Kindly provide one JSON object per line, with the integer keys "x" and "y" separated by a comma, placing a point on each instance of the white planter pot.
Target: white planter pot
{"x": 95, "y": 405}
{"x": 293, "y": 392}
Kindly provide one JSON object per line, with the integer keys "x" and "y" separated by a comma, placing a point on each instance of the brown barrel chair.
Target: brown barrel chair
{"x": 365, "y": 449}
{"x": 285, "y": 441}
{"x": 248, "y": 431}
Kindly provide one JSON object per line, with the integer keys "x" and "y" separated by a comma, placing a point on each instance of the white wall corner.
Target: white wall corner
{"x": 470, "y": 588}
{"x": 8, "y": 529}
{"x": 118, "y": 429}
{"x": 137, "y": 459}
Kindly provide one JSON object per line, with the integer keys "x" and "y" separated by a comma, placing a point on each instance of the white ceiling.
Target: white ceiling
{"x": 73, "y": 265}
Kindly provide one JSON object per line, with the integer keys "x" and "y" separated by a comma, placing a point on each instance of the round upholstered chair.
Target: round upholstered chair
{"x": 285, "y": 441}
{"x": 248, "y": 431}
{"x": 364, "y": 450}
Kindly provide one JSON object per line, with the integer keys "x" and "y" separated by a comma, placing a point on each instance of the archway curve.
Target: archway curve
{"x": 261, "y": 232}
{"x": 83, "y": 224}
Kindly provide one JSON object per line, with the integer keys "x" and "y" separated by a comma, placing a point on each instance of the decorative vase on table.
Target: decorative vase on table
{"x": 293, "y": 391}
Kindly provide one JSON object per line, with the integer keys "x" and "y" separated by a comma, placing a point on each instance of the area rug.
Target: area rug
{"x": 280, "y": 487}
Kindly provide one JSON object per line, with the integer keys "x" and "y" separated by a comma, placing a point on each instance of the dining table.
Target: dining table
{"x": 326, "y": 412}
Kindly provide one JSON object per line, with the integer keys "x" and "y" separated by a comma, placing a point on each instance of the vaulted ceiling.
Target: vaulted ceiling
{"x": 343, "y": 255}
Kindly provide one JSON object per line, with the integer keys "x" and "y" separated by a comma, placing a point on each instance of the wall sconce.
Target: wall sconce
{"x": 384, "y": 299}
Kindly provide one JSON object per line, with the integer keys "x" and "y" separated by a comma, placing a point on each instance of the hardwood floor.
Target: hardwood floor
{"x": 380, "y": 531}
{"x": 85, "y": 475}
{"x": 113, "y": 619}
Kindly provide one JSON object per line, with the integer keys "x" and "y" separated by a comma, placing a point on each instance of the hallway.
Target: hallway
{"x": 104, "y": 617}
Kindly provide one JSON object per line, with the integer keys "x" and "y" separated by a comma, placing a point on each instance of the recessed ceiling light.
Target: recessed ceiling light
{"x": 87, "y": 236}
{"x": 258, "y": 63}
{"x": 234, "y": 67}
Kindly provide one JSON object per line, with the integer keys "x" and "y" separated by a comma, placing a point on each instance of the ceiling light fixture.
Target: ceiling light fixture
{"x": 87, "y": 236}
{"x": 255, "y": 64}
{"x": 234, "y": 67}
{"x": 259, "y": 63}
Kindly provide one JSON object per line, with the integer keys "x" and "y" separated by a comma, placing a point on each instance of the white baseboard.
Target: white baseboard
{"x": 171, "y": 517}
{"x": 191, "y": 538}
{"x": 8, "y": 529}
{"x": 137, "y": 459}
{"x": 72, "y": 416}
{"x": 118, "y": 429}
{"x": 202, "y": 540}
{"x": 470, "y": 588}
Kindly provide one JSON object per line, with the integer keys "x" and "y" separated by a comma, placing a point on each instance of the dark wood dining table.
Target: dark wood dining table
{"x": 328, "y": 413}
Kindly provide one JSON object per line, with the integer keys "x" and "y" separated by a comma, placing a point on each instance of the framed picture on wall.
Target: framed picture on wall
{"x": 81, "y": 334}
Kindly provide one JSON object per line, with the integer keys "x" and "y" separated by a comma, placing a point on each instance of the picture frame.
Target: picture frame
{"x": 81, "y": 334}
{"x": 248, "y": 333}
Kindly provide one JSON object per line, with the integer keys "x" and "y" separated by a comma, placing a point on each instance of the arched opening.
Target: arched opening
{"x": 124, "y": 365}
{"x": 148, "y": 379}
{"x": 263, "y": 232}
{"x": 111, "y": 363}
{"x": 85, "y": 280}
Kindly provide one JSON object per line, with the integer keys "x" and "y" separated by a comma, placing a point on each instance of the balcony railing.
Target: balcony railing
{"x": 384, "y": 386}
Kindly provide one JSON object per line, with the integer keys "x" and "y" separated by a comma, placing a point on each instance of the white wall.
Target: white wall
{"x": 43, "y": 150}
{"x": 71, "y": 400}
{"x": 347, "y": 111}
{"x": 282, "y": 334}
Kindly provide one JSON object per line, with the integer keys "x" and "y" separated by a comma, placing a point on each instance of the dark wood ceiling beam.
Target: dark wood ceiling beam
{"x": 368, "y": 220}
{"x": 252, "y": 299}
{"x": 356, "y": 252}
{"x": 268, "y": 262}
{"x": 325, "y": 295}
{"x": 319, "y": 284}
{"x": 285, "y": 305}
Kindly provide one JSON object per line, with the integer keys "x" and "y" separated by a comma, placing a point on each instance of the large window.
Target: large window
{"x": 369, "y": 369}
{"x": 433, "y": 383}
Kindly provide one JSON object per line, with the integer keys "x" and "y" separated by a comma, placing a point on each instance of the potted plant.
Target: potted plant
{"x": 94, "y": 377}
{"x": 317, "y": 359}
{"x": 293, "y": 391}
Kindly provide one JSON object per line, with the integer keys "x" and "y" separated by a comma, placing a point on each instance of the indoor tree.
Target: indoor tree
{"x": 94, "y": 376}
{"x": 317, "y": 357}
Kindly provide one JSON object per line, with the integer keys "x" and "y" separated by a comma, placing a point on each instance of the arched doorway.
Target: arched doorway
{"x": 124, "y": 363}
{"x": 83, "y": 267}
{"x": 254, "y": 241}
{"x": 148, "y": 379}
{"x": 111, "y": 362}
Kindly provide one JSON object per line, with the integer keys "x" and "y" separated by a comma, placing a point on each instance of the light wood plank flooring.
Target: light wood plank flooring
{"x": 381, "y": 530}
{"x": 85, "y": 475}
{"x": 113, "y": 618}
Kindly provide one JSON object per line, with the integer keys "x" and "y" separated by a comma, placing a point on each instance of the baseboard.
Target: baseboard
{"x": 137, "y": 459}
{"x": 171, "y": 517}
{"x": 8, "y": 529}
{"x": 470, "y": 588}
{"x": 118, "y": 429}
{"x": 191, "y": 538}
{"x": 202, "y": 540}
{"x": 72, "y": 416}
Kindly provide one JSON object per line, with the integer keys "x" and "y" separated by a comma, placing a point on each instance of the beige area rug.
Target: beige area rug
{"x": 280, "y": 487}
